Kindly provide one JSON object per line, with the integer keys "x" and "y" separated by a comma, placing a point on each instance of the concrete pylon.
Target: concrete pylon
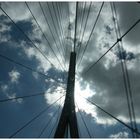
{"x": 68, "y": 116}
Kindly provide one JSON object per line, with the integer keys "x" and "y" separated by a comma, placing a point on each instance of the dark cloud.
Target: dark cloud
{"x": 26, "y": 27}
{"x": 108, "y": 29}
{"x": 98, "y": 130}
{"x": 106, "y": 77}
{"x": 128, "y": 14}
{"x": 126, "y": 55}
{"x": 110, "y": 92}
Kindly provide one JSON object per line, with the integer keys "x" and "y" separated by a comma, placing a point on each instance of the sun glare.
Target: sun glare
{"x": 80, "y": 101}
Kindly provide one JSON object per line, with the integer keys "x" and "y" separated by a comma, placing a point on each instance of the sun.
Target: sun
{"x": 80, "y": 101}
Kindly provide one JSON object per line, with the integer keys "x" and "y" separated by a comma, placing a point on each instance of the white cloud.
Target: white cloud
{"x": 13, "y": 95}
{"x": 17, "y": 12}
{"x": 4, "y": 28}
{"x": 35, "y": 75}
{"x": 119, "y": 135}
{"x": 14, "y": 76}
{"x": 7, "y": 91}
{"x": 54, "y": 94}
{"x": 4, "y": 87}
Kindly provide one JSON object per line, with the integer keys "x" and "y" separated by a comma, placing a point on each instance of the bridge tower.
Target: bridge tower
{"x": 68, "y": 116}
{"x": 68, "y": 120}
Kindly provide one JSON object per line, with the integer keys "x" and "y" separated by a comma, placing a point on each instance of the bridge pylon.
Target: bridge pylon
{"x": 68, "y": 118}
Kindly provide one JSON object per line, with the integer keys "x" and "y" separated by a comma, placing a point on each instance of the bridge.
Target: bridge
{"x": 50, "y": 46}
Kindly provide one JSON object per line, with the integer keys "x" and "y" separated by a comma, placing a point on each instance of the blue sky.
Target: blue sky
{"x": 103, "y": 84}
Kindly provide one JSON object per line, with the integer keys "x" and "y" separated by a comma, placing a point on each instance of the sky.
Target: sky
{"x": 45, "y": 44}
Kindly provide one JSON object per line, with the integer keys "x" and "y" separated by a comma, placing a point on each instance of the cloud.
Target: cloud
{"x": 125, "y": 15}
{"x": 31, "y": 29}
{"x": 120, "y": 135}
{"x": 14, "y": 76}
{"x": 7, "y": 90}
{"x": 52, "y": 94}
{"x": 106, "y": 79}
{"x": 109, "y": 88}
{"x": 126, "y": 56}
{"x": 16, "y": 13}
{"x": 4, "y": 28}
{"x": 35, "y": 75}
{"x": 13, "y": 95}
{"x": 82, "y": 103}
{"x": 104, "y": 83}
{"x": 4, "y": 87}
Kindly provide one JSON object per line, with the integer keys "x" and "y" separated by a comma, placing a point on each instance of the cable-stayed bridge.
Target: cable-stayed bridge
{"x": 64, "y": 31}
